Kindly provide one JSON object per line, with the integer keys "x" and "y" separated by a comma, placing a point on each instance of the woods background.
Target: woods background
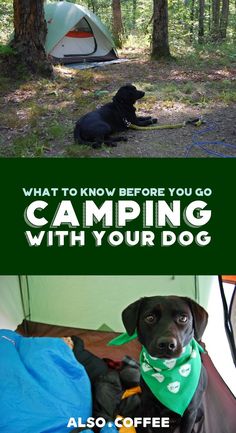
{"x": 189, "y": 21}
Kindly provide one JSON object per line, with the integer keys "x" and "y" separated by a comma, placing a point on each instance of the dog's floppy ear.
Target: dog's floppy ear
{"x": 130, "y": 316}
{"x": 200, "y": 318}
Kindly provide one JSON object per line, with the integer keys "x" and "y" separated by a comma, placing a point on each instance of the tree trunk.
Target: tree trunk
{"x": 134, "y": 13}
{"x": 215, "y": 20}
{"x": 201, "y": 21}
{"x": 192, "y": 13}
{"x": 160, "y": 37}
{"x": 29, "y": 37}
{"x": 117, "y": 24}
{"x": 224, "y": 18}
{"x": 209, "y": 18}
{"x": 92, "y": 5}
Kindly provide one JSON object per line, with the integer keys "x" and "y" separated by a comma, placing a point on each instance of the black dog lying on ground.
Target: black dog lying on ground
{"x": 165, "y": 327}
{"x": 95, "y": 128}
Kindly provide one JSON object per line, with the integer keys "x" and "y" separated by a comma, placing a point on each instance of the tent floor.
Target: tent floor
{"x": 219, "y": 403}
{"x": 83, "y": 59}
{"x": 90, "y": 65}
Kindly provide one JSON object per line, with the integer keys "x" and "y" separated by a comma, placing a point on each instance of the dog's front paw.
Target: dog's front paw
{"x": 154, "y": 120}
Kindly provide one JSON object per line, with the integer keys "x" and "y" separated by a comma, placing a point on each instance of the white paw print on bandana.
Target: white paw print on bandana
{"x": 174, "y": 387}
{"x": 185, "y": 370}
{"x": 158, "y": 377}
{"x": 170, "y": 363}
{"x": 193, "y": 354}
{"x": 146, "y": 367}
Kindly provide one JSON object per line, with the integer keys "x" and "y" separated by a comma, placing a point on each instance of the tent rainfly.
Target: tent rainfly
{"x": 76, "y": 35}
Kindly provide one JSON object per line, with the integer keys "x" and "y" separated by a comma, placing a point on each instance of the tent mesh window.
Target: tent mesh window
{"x": 82, "y": 30}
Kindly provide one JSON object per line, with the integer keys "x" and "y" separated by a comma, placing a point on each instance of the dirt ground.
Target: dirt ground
{"x": 184, "y": 142}
{"x": 38, "y": 117}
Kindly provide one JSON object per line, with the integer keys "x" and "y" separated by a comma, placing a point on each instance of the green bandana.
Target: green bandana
{"x": 173, "y": 381}
{"x": 122, "y": 339}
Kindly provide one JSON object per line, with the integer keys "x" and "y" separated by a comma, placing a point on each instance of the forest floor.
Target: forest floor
{"x": 37, "y": 116}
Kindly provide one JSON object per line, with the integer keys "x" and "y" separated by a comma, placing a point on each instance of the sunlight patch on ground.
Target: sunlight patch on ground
{"x": 19, "y": 96}
{"x": 63, "y": 71}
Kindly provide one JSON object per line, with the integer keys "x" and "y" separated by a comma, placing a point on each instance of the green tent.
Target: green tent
{"x": 76, "y": 35}
{"x": 63, "y": 300}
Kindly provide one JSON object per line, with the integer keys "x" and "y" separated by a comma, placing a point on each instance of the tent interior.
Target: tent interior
{"x": 91, "y": 306}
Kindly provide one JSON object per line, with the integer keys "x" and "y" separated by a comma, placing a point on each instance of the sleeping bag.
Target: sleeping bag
{"x": 42, "y": 385}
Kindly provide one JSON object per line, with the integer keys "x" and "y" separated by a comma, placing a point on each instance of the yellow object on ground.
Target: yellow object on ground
{"x": 156, "y": 127}
{"x": 194, "y": 122}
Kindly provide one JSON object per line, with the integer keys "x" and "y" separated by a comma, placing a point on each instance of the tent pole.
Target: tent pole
{"x": 25, "y": 295}
{"x": 228, "y": 325}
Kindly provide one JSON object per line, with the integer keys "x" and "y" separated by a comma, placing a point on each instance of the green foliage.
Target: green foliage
{"x": 137, "y": 19}
{"x": 27, "y": 146}
{"x": 56, "y": 130}
{"x": 209, "y": 54}
{"x": 6, "y": 20}
{"x": 183, "y": 22}
{"x": 6, "y": 49}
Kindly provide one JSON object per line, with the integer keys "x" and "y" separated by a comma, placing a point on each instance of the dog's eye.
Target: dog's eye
{"x": 182, "y": 318}
{"x": 151, "y": 318}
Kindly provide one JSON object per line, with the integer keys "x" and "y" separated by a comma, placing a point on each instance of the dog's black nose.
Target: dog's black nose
{"x": 167, "y": 343}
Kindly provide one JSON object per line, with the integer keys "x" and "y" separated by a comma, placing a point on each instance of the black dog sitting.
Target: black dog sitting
{"x": 95, "y": 128}
{"x": 166, "y": 326}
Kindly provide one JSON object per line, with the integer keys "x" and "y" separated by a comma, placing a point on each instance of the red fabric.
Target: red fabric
{"x": 75, "y": 34}
{"x": 114, "y": 365}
